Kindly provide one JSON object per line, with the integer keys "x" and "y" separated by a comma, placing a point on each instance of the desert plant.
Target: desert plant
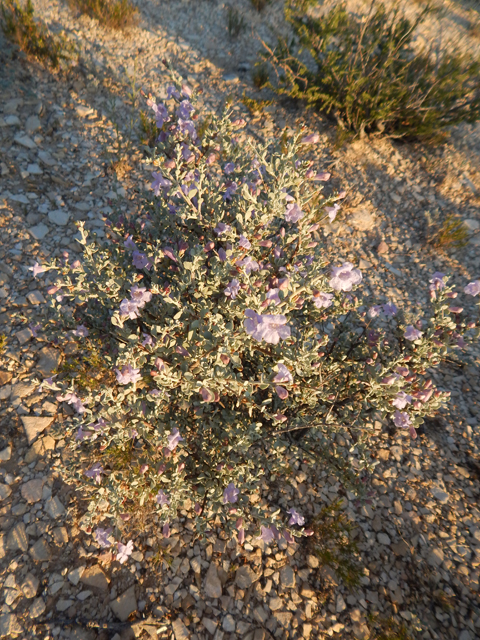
{"x": 365, "y": 72}
{"x": 114, "y": 14}
{"x": 237, "y": 351}
{"x": 447, "y": 233}
{"x": 235, "y": 22}
{"x": 31, "y": 35}
{"x": 255, "y": 106}
{"x": 260, "y": 75}
{"x": 259, "y": 5}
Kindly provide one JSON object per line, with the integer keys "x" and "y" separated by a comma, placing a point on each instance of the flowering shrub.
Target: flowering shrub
{"x": 235, "y": 346}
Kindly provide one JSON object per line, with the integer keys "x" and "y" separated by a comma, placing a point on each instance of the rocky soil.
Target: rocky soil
{"x": 69, "y": 150}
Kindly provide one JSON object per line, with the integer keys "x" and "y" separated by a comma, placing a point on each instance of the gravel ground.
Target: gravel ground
{"x": 64, "y": 156}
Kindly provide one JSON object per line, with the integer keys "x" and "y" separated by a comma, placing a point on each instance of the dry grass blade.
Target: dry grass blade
{"x": 114, "y": 14}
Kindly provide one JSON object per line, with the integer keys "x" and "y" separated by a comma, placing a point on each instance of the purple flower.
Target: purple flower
{"x": 332, "y": 211}
{"x": 244, "y": 243}
{"x": 323, "y": 300}
{"x": 283, "y": 374}
{"x": 188, "y": 127}
{"x": 173, "y": 439}
{"x": 185, "y": 109}
{"x": 345, "y": 277}
{"x": 293, "y": 212}
{"x": 473, "y": 289}
{"x": 101, "y": 536}
{"x": 129, "y": 309}
{"x": 172, "y": 92}
{"x": 81, "y": 331}
{"x": 74, "y": 400}
{"x": 269, "y": 533}
{"x": 272, "y": 296}
{"x": 295, "y": 517}
{"x": 231, "y": 189}
{"x": 437, "y": 282}
{"x": 401, "y": 400}
{"x": 101, "y": 424}
{"x": 207, "y": 395}
{"x": 402, "y": 420}
{"x": 312, "y": 138}
{"x": 140, "y": 260}
{"x": 412, "y": 334}
{"x": 222, "y": 228}
{"x": 128, "y": 374}
{"x": 95, "y": 472}
{"x": 159, "y": 182}
{"x": 161, "y": 114}
{"x": 248, "y": 264}
{"x": 147, "y": 341}
{"x": 230, "y": 494}
{"x": 374, "y": 311}
{"x": 389, "y": 309}
{"x": 81, "y": 434}
{"x": 229, "y": 168}
{"x": 140, "y": 296}
{"x": 166, "y": 530}
{"x": 162, "y": 499}
{"x": 269, "y": 327}
{"x": 222, "y": 254}
{"x": 130, "y": 244}
{"x": 37, "y": 269}
{"x": 124, "y": 551}
{"x": 424, "y": 395}
{"x": 188, "y": 156}
{"x": 232, "y": 289}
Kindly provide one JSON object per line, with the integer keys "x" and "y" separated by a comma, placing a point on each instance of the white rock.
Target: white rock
{"x": 210, "y": 625}
{"x": 440, "y": 495}
{"x": 245, "y": 576}
{"x": 75, "y": 575}
{"x": 9, "y": 626}
{"x": 30, "y": 586}
{"x": 12, "y": 120}
{"x": 39, "y": 231}
{"x": 341, "y": 604}
{"x": 125, "y": 604}
{"x": 287, "y": 577}
{"x": 229, "y": 623}
{"x": 32, "y": 124}
{"x": 63, "y": 605}
{"x": 472, "y": 224}
{"x": 17, "y": 538}
{"x": 37, "y": 607}
{"x": 59, "y": 217}
{"x": 180, "y": 630}
{"x": 383, "y": 539}
{"x": 34, "y": 425}
{"x": 46, "y": 158}
{"x": 83, "y": 595}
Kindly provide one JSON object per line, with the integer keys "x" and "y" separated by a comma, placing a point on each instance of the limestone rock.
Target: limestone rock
{"x": 49, "y": 360}
{"x": 180, "y": 630}
{"x": 17, "y": 538}
{"x": 245, "y": 577}
{"x": 54, "y": 508}
{"x": 34, "y": 425}
{"x": 95, "y": 577}
{"x": 9, "y": 626}
{"x": 40, "y": 551}
{"x": 30, "y": 585}
{"x": 213, "y": 585}
{"x": 32, "y": 490}
{"x": 125, "y": 604}
{"x": 37, "y": 608}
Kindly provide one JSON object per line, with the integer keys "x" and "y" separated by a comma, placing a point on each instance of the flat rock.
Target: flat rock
{"x": 213, "y": 585}
{"x": 63, "y": 605}
{"x": 180, "y": 631}
{"x": 40, "y": 551}
{"x": 24, "y": 335}
{"x": 59, "y": 217}
{"x": 382, "y": 247}
{"x": 245, "y": 576}
{"x": 9, "y": 626}
{"x": 54, "y": 507}
{"x": 39, "y": 231}
{"x": 12, "y": 120}
{"x": 35, "y": 297}
{"x": 125, "y": 604}
{"x": 5, "y": 391}
{"x": 30, "y": 586}
{"x": 210, "y": 625}
{"x": 275, "y": 603}
{"x": 94, "y": 577}
{"x": 32, "y": 124}
{"x": 472, "y": 224}
{"x": 34, "y": 169}
{"x": 32, "y": 490}
{"x": 17, "y": 539}
{"x": 5, "y": 377}
{"x": 5, "y": 491}
{"x": 75, "y": 574}
{"x": 383, "y": 538}
{"x": 22, "y": 390}
{"x": 287, "y": 577}
{"x": 435, "y": 557}
{"x": 34, "y": 425}
{"x": 37, "y": 608}
{"x": 49, "y": 360}
{"x": 25, "y": 141}
{"x": 229, "y": 623}
{"x": 440, "y": 495}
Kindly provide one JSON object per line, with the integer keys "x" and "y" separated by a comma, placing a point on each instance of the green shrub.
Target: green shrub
{"x": 32, "y": 36}
{"x": 115, "y": 14}
{"x": 366, "y": 73}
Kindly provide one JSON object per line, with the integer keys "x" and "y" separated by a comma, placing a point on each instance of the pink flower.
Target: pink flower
{"x": 81, "y": 331}
{"x": 230, "y": 494}
{"x": 332, "y": 211}
{"x": 140, "y": 296}
{"x": 124, "y": 551}
{"x": 207, "y": 395}
{"x": 95, "y": 472}
{"x": 282, "y": 393}
{"x": 174, "y": 439}
{"x": 222, "y": 228}
{"x": 244, "y": 243}
{"x": 473, "y": 289}
{"x": 232, "y": 289}
{"x": 295, "y": 517}
{"x": 345, "y": 277}
{"x": 436, "y": 281}
{"x": 269, "y": 327}
{"x": 402, "y": 420}
{"x": 37, "y": 269}
{"x": 323, "y": 300}
{"x": 293, "y": 213}
{"x": 128, "y": 374}
{"x": 128, "y": 309}
{"x": 412, "y": 334}
{"x": 312, "y": 138}
{"x": 166, "y": 530}
{"x": 248, "y": 264}
{"x": 401, "y": 400}
{"x": 162, "y": 499}
{"x": 283, "y": 374}
{"x": 323, "y": 176}
{"x": 74, "y": 400}
{"x": 272, "y": 296}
